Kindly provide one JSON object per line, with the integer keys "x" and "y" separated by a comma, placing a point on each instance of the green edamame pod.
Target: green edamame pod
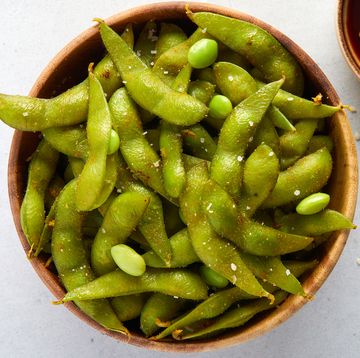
{"x": 198, "y": 142}
{"x": 206, "y": 75}
{"x": 201, "y": 90}
{"x": 92, "y": 177}
{"x": 250, "y": 236}
{"x": 91, "y": 225}
{"x": 262, "y": 50}
{"x": 169, "y": 64}
{"x": 129, "y": 307}
{"x": 234, "y": 82}
{"x": 182, "y": 252}
{"x": 152, "y": 223}
{"x": 320, "y": 141}
{"x": 235, "y": 317}
{"x": 218, "y": 254}
{"x": 294, "y": 107}
{"x": 228, "y": 55}
{"x": 172, "y": 282}
{"x": 137, "y": 152}
{"x": 32, "y": 212}
{"x": 70, "y": 140}
{"x": 271, "y": 269}
{"x": 71, "y": 261}
{"x": 76, "y": 165}
{"x": 159, "y": 309}
{"x": 46, "y": 232}
{"x": 145, "y": 44}
{"x": 261, "y": 171}
{"x": 215, "y": 305}
{"x": 279, "y": 120}
{"x": 190, "y": 161}
{"x": 66, "y": 109}
{"x": 238, "y": 130}
{"x": 315, "y": 224}
{"x": 265, "y": 134}
{"x": 170, "y": 35}
{"x": 294, "y": 144}
{"x": 308, "y": 175}
{"x": 212, "y": 278}
{"x": 120, "y": 220}
{"x": 146, "y": 88}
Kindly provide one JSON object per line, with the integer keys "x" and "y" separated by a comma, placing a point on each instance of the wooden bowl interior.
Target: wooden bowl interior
{"x": 69, "y": 67}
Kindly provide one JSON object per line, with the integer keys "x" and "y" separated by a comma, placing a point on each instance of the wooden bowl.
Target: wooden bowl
{"x": 70, "y": 66}
{"x": 348, "y": 28}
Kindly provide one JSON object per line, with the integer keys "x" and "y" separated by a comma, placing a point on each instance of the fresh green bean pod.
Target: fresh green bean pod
{"x": 98, "y": 134}
{"x": 199, "y": 142}
{"x": 308, "y": 175}
{"x": 146, "y": 88}
{"x": 76, "y": 165}
{"x": 182, "y": 252}
{"x": 145, "y": 43}
{"x": 152, "y": 224}
{"x": 248, "y": 235}
{"x": 219, "y": 302}
{"x": 293, "y": 145}
{"x": 217, "y": 253}
{"x": 71, "y": 140}
{"x": 320, "y": 141}
{"x": 129, "y": 307}
{"x": 261, "y": 171}
{"x": 66, "y": 109}
{"x": 71, "y": 262}
{"x": 206, "y": 74}
{"x": 159, "y": 309}
{"x": 190, "y": 161}
{"x": 172, "y": 282}
{"x": 32, "y": 212}
{"x": 279, "y": 120}
{"x": 201, "y": 90}
{"x": 234, "y": 82}
{"x": 235, "y": 317}
{"x": 271, "y": 269}
{"x": 230, "y": 56}
{"x": 265, "y": 134}
{"x": 169, "y": 64}
{"x": 120, "y": 220}
{"x": 238, "y": 130}
{"x": 317, "y": 224}
{"x": 170, "y": 35}
{"x": 294, "y": 107}
{"x": 141, "y": 158}
{"x": 259, "y": 47}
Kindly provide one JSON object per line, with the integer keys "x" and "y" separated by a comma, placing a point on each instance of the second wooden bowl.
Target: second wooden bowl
{"x": 70, "y": 66}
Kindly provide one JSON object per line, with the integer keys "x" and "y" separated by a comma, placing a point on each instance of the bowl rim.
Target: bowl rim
{"x": 341, "y": 32}
{"x": 321, "y": 272}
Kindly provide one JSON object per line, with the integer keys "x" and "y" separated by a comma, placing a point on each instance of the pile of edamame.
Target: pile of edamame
{"x": 179, "y": 185}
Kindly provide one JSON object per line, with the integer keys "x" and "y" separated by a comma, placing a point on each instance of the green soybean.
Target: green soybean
{"x": 128, "y": 260}
{"x": 313, "y": 204}
{"x": 203, "y": 53}
{"x": 212, "y": 278}
{"x": 220, "y": 107}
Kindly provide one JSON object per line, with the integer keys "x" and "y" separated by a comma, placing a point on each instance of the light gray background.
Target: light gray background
{"x": 32, "y": 32}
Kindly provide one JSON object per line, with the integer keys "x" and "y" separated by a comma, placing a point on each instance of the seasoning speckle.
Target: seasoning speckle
{"x": 297, "y": 192}
{"x": 233, "y": 266}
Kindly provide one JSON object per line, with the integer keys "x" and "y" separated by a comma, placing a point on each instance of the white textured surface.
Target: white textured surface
{"x": 32, "y": 32}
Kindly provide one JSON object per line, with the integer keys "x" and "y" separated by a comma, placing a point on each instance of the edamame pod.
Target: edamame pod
{"x": 182, "y": 252}
{"x": 248, "y": 235}
{"x": 146, "y": 88}
{"x": 129, "y": 307}
{"x": 145, "y": 44}
{"x": 217, "y": 253}
{"x": 170, "y": 36}
{"x": 120, "y": 220}
{"x": 260, "y": 48}
{"x": 308, "y": 175}
{"x": 92, "y": 177}
{"x": 173, "y": 282}
{"x": 32, "y": 212}
{"x": 261, "y": 171}
{"x": 159, "y": 309}
{"x": 320, "y": 141}
{"x": 238, "y": 130}
{"x": 71, "y": 261}
{"x": 201, "y": 90}
{"x": 317, "y": 224}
